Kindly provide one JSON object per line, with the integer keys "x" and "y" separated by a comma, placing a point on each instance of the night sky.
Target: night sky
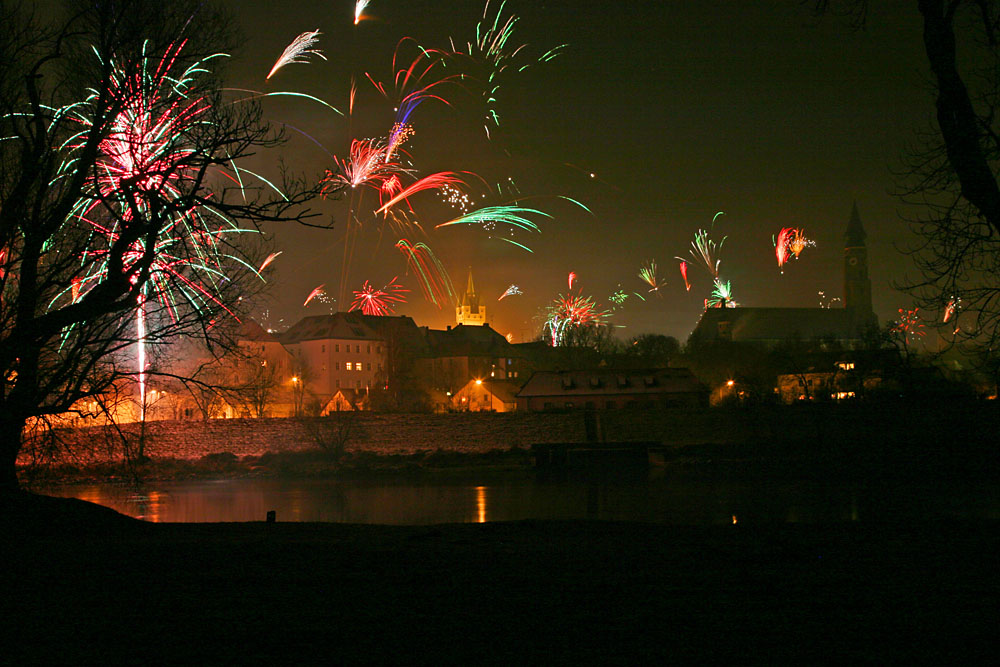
{"x": 679, "y": 109}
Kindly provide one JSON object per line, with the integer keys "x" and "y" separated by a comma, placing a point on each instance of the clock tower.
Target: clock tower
{"x": 857, "y": 285}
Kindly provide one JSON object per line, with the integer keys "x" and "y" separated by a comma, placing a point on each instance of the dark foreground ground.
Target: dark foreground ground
{"x": 83, "y": 585}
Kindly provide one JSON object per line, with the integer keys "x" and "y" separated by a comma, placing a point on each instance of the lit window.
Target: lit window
{"x": 358, "y": 365}
{"x": 348, "y": 365}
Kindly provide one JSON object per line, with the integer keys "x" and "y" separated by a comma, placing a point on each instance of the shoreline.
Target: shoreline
{"x": 556, "y": 592}
{"x": 790, "y": 459}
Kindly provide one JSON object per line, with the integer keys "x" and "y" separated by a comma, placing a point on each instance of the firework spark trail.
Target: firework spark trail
{"x": 684, "y": 274}
{"x": 492, "y": 51}
{"x": 705, "y": 252}
{"x": 312, "y": 295}
{"x": 372, "y": 301}
{"x": 145, "y": 169}
{"x": 648, "y": 275}
{"x": 950, "y": 309}
{"x": 434, "y": 281}
{"x": 359, "y": 8}
{"x": 298, "y": 51}
{"x": 270, "y": 258}
{"x": 513, "y": 290}
{"x": 514, "y": 216}
{"x": 571, "y": 279}
{"x": 782, "y": 246}
{"x": 570, "y": 311}
{"x": 799, "y": 242}
{"x": 433, "y": 182}
{"x": 722, "y": 295}
{"x": 909, "y": 324}
{"x": 367, "y": 165}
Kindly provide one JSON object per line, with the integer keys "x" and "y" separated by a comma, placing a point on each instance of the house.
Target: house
{"x": 332, "y": 352}
{"x": 462, "y": 353}
{"x": 611, "y": 389}
{"x": 487, "y": 395}
{"x": 346, "y": 400}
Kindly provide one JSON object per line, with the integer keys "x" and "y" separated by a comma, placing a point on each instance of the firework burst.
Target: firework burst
{"x": 513, "y": 290}
{"x": 648, "y": 275}
{"x": 298, "y": 51}
{"x": 496, "y": 57}
{"x": 372, "y": 301}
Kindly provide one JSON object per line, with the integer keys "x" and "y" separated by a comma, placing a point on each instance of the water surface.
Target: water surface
{"x": 660, "y": 496}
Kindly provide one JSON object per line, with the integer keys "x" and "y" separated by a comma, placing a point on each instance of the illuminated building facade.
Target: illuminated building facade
{"x": 470, "y": 312}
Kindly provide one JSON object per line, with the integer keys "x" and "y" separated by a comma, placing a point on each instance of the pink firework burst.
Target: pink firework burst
{"x": 372, "y": 301}
{"x": 367, "y": 165}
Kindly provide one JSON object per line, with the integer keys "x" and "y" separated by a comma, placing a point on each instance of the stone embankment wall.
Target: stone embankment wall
{"x": 389, "y": 434}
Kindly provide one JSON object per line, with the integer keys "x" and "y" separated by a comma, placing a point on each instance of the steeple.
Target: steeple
{"x": 470, "y": 297}
{"x": 470, "y": 312}
{"x": 855, "y": 235}
{"x": 857, "y": 285}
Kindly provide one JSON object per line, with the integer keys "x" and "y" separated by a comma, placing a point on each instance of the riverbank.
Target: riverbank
{"x": 86, "y": 585}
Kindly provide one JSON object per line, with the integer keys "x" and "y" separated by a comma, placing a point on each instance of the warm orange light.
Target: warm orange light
{"x": 479, "y": 381}
{"x": 730, "y": 383}
{"x": 295, "y": 378}
{"x": 481, "y": 504}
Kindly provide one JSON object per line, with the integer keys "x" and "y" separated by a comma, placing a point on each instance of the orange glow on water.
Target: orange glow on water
{"x": 480, "y": 504}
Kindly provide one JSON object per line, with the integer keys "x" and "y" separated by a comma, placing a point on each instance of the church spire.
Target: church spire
{"x": 855, "y": 235}
{"x": 470, "y": 291}
{"x": 470, "y": 311}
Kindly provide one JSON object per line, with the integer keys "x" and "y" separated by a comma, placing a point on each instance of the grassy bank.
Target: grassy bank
{"x": 85, "y": 585}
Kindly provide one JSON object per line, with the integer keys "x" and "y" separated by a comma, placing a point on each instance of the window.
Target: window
{"x": 348, "y": 365}
{"x": 338, "y": 384}
{"x": 369, "y": 349}
{"x": 569, "y": 404}
{"x": 357, "y": 349}
{"x": 378, "y": 349}
{"x": 336, "y": 365}
{"x": 358, "y": 366}
{"x": 336, "y": 348}
{"x": 845, "y": 365}
{"x": 322, "y": 348}
{"x": 609, "y": 405}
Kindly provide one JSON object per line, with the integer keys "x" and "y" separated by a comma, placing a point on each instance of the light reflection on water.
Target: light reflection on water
{"x": 481, "y": 497}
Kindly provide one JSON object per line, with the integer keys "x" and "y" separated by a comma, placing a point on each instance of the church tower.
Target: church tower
{"x": 857, "y": 285}
{"x": 470, "y": 312}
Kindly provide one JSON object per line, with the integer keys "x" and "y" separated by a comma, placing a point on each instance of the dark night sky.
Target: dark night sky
{"x": 681, "y": 109}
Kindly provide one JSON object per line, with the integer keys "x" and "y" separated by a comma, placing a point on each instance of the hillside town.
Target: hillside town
{"x": 347, "y": 361}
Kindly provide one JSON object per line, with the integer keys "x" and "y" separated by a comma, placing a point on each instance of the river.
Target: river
{"x": 661, "y": 496}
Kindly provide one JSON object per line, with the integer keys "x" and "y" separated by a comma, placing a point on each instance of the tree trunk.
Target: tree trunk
{"x": 11, "y": 429}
